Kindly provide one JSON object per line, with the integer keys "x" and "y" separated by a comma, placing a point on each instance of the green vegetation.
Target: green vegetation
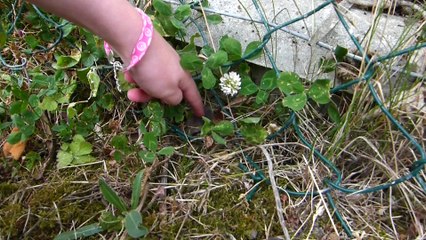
{"x": 85, "y": 146}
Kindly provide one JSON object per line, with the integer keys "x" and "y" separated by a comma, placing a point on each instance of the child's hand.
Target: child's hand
{"x": 160, "y": 75}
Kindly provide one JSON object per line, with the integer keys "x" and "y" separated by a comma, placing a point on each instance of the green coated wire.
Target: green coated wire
{"x": 57, "y": 26}
{"x": 338, "y": 215}
{"x": 367, "y": 76}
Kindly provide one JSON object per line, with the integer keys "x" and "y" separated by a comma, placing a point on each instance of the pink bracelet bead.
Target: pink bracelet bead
{"x": 142, "y": 44}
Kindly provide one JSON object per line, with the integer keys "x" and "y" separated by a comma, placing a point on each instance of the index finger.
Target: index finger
{"x": 192, "y": 95}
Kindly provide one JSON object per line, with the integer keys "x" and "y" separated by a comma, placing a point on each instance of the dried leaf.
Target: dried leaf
{"x": 208, "y": 142}
{"x": 14, "y": 150}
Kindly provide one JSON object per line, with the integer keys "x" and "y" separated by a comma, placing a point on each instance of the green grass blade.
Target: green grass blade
{"x": 136, "y": 190}
{"x": 111, "y": 196}
{"x": 85, "y": 231}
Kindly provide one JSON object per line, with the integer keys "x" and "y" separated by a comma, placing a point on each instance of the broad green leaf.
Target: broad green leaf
{"x": 82, "y": 74}
{"x": 31, "y": 40}
{"x": 218, "y": 138}
{"x": 262, "y": 97}
{"x": 253, "y": 133}
{"x": 107, "y": 101}
{"x": 64, "y": 159}
{"x": 67, "y": 28}
{"x": 20, "y": 93}
{"x": 248, "y": 87}
{"x": 295, "y": 102}
{"x": 177, "y": 24}
{"x": 94, "y": 80}
{"x": 205, "y": 3}
{"x": 333, "y": 113}
{"x": 162, "y": 7}
{"x": 111, "y": 196}
{"x": 33, "y": 100}
{"x": 214, "y": 19}
{"x": 320, "y": 91}
{"x": 217, "y": 59}
{"x": 269, "y": 80}
{"x": 124, "y": 84}
{"x": 290, "y": 83}
{"x": 208, "y": 78}
{"x": 136, "y": 190}
{"x": 64, "y": 95}
{"x": 64, "y": 62}
{"x": 5, "y": 125}
{"x": 79, "y": 146}
{"x": 252, "y": 49}
{"x": 133, "y": 224}
{"x": 166, "y": 151}
{"x": 120, "y": 142}
{"x": 207, "y": 51}
{"x": 224, "y": 128}
{"x": 251, "y": 120}
{"x": 340, "y": 53}
{"x": 154, "y": 110}
{"x": 175, "y": 113}
{"x": 158, "y": 127}
{"x": 158, "y": 27}
{"x": 206, "y": 120}
{"x": 88, "y": 59}
{"x": 65, "y": 146}
{"x": 27, "y": 131}
{"x": 18, "y": 107}
{"x": 191, "y": 62}
{"x": 244, "y": 69}
{"x": 110, "y": 222}
{"x": 182, "y": 12}
{"x": 48, "y": 104}
{"x": 150, "y": 141}
{"x": 189, "y": 49}
{"x": 232, "y": 46}
{"x": 147, "y": 156}
{"x": 83, "y": 159}
{"x": 71, "y": 112}
{"x": 167, "y": 25}
{"x": 207, "y": 127}
{"x": 14, "y": 137}
{"x": 85, "y": 231}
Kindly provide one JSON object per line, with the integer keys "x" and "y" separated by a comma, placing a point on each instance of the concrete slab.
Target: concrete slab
{"x": 294, "y": 48}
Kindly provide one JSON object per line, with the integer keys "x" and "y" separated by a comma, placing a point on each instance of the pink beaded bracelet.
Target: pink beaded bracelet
{"x": 141, "y": 45}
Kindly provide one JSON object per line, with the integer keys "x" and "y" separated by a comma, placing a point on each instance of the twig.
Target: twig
{"x": 276, "y": 193}
{"x": 145, "y": 183}
{"x": 50, "y": 146}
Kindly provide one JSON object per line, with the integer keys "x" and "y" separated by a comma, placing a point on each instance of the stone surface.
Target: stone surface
{"x": 301, "y": 53}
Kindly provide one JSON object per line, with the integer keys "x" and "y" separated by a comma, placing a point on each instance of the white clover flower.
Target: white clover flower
{"x": 230, "y": 83}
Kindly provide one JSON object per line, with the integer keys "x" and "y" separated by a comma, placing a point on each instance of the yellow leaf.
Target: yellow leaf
{"x": 14, "y": 150}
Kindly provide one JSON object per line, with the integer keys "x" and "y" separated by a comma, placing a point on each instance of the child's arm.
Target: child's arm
{"x": 158, "y": 74}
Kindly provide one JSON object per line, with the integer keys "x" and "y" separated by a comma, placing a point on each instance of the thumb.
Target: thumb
{"x": 138, "y": 95}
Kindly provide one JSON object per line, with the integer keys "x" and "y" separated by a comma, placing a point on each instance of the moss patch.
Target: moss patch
{"x": 37, "y": 210}
{"x": 226, "y": 214}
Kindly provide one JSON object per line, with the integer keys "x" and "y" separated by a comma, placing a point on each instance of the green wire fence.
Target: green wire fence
{"x": 332, "y": 183}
